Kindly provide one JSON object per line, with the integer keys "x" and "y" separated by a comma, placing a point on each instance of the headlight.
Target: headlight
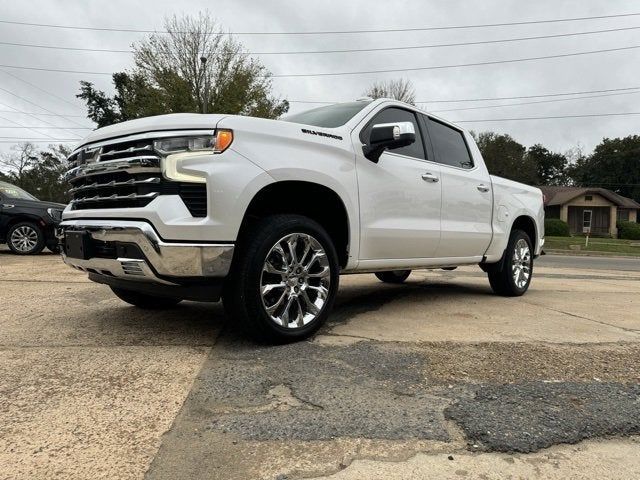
{"x": 184, "y": 144}
{"x": 55, "y": 214}
{"x": 216, "y": 143}
{"x": 175, "y": 150}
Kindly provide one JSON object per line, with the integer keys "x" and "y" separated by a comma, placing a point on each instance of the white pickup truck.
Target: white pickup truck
{"x": 266, "y": 214}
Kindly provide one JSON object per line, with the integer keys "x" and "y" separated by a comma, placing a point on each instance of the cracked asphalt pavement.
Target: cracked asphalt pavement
{"x": 435, "y": 378}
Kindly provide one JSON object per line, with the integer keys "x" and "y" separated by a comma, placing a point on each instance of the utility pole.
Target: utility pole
{"x": 203, "y": 60}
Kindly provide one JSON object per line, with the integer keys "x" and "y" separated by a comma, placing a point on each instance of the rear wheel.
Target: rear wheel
{"x": 25, "y": 238}
{"x": 142, "y": 300}
{"x": 513, "y": 277}
{"x": 284, "y": 279}
{"x": 395, "y": 276}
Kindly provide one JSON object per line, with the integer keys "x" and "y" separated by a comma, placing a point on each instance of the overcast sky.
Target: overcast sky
{"x": 612, "y": 70}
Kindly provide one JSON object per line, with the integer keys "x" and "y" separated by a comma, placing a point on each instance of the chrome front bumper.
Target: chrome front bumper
{"x": 164, "y": 262}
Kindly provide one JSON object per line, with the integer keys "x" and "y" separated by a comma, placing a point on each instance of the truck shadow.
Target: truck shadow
{"x": 201, "y": 323}
{"x": 353, "y": 301}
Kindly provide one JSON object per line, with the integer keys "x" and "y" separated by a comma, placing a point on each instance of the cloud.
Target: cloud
{"x": 589, "y": 72}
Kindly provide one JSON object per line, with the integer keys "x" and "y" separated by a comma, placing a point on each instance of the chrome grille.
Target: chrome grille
{"x": 126, "y": 174}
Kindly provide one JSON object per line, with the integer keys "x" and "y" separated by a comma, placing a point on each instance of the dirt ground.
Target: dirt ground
{"x": 437, "y": 378}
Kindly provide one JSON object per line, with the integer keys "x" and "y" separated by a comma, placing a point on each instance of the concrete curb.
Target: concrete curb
{"x": 588, "y": 253}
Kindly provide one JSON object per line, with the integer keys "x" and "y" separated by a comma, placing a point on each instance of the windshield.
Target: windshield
{"x": 11, "y": 191}
{"x": 330, "y": 116}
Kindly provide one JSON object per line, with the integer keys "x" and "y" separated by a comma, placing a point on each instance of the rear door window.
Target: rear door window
{"x": 449, "y": 144}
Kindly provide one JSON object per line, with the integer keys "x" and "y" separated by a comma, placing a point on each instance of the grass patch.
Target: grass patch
{"x": 610, "y": 245}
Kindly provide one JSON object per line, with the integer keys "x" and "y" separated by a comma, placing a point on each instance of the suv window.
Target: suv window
{"x": 13, "y": 192}
{"x": 393, "y": 114}
{"x": 449, "y": 144}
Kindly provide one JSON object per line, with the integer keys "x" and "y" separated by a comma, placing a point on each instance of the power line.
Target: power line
{"x": 487, "y": 98}
{"x": 43, "y": 114}
{"x": 351, "y": 50}
{"x": 24, "y": 126}
{"x": 22, "y": 139}
{"x": 531, "y": 96}
{"x": 54, "y": 140}
{"x": 547, "y": 118}
{"x": 364, "y": 72}
{"x": 441, "y": 67}
{"x": 36, "y": 105}
{"x": 45, "y": 128}
{"x": 534, "y": 102}
{"x": 331, "y": 32}
{"x": 43, "y": 91}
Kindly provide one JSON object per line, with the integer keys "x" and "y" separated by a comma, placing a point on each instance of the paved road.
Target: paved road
{"x": 437, "y": 378}
{"x": 593, "y": 263}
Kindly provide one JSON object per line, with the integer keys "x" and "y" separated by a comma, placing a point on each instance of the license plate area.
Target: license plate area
{"x": 77, "y": 245}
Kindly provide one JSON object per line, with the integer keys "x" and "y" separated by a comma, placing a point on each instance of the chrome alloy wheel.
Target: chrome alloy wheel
{"x": 295, "y": 280}
{"x": 521, "y": 263}
{"x": 24, "y": 238}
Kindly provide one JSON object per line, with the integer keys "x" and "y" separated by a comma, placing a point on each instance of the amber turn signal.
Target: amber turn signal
{"x": 223, "y": 140}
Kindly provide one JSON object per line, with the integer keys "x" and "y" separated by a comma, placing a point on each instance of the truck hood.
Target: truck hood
{"x": 173, "y": 121}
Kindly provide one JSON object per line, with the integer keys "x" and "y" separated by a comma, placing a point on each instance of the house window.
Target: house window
{"x": 588, "y": 198}
{"x": 623, "y": 215}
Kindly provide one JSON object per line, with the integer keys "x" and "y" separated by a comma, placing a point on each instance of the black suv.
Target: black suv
{"x": 27, "y": 225}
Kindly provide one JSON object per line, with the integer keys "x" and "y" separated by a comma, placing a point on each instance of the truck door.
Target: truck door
{"x": 467, "y": 197}
{"x": 399, "y": 196}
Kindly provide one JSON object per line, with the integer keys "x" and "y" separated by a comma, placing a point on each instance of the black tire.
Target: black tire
{"x": 25, "y": 238}
{"x": 394, "y": 276}
{"x": 242, "y": 295}
{"x": 502, "y": 277}
{"x": 142, "y": 300}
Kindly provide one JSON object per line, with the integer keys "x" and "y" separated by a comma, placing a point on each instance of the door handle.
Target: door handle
{"x": 430, "y": 177}
{"x": 6, "y": 205}
{"x": 483, "y": 188}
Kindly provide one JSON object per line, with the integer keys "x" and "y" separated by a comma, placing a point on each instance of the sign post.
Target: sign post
{"x": 586, "y": 231}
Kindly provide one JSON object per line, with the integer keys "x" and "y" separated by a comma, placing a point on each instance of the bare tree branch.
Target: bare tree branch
{"x": 400, "y": 89}
{"x": 22, "y": 157}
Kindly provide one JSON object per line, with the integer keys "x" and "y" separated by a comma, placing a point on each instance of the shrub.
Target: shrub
{"x": 629, "y": 230}
{"x": 554, "y": 227}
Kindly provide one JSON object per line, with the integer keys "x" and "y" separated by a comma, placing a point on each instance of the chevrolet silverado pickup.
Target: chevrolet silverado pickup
{"x": 267, "y": 214}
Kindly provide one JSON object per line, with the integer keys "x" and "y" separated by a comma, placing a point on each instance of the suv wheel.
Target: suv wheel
{"x": 25, "y": 238}
{"x": 142, "y": 300}
{"x": 395, "y": 276}
{"x": 284, "y": 279}
{"x": 513, "y": 279}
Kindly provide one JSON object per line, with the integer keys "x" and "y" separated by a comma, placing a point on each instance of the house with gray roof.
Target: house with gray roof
{"x": 596, "y": 210}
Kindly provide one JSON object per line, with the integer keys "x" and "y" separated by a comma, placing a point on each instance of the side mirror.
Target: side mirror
{"x": 388, "y": 136}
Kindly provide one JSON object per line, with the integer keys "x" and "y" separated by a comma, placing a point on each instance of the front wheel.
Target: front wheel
{"x": 25, "y": 238}
{"x": 284, "y": 279}
{"x": 514, "y": 276}
{"x": 142, "y": 300}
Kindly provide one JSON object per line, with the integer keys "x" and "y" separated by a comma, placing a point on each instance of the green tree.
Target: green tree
{"x": 194, "y": 67}
{"x": 614, "y": 164}
{"x": 550, "y": 166}
{"x": 506, "y": 158}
